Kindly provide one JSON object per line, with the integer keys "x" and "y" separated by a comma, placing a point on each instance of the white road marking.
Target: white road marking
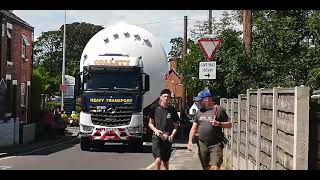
{"x": 5, "y": 167}
{"x": 9, "y": 157}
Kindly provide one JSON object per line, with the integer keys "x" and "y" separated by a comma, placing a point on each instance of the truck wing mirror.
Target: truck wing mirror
{"x": 145, "y": 82}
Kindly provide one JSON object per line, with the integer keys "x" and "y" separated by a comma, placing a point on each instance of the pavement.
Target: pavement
{"x": 182, "y": 158}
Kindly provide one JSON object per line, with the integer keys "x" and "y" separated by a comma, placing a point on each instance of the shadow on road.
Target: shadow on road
{"x": 45, "y": 144}
{"x": 66, "y": 143}
{"x": 41, "y": 148}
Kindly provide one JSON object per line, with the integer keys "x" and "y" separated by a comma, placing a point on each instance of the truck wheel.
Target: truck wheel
{"x": 85, "y": 144}
{"x": 138, "y": 146}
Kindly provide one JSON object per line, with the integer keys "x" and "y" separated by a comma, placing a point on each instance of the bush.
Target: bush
{"x": 78, "y": 108}
{"x": 36, "y": 96}
{"x": 52, "y": 105}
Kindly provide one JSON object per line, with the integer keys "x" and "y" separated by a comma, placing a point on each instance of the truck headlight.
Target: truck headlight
{"x": 134, "y": 130}
{"x": 87, "y": 129}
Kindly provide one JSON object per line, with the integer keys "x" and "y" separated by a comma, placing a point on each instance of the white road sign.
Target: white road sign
{"x": 207, "y": 70}
{"x": 209, "y": 46}
{"x": 69, "y": 93}
{"x": 69, "y": 80}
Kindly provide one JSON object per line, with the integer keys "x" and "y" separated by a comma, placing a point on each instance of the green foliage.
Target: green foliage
{"x": 177, "y": 47}
{"x": 285, "y": 52}
{"x": 77, "y": 36}
{"x": 52, "y": 105}
{"x": 231, "y": 67}
{"x": 47, "y": 52}
{"x": 36, "y": 96}
{"x": 78, "y": 108}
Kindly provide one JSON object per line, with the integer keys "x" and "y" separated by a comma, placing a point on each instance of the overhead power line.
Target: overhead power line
{"x": 160, "y": 22}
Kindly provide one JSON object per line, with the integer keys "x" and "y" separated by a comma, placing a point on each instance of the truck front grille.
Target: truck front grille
{"x": 121, "y": 117}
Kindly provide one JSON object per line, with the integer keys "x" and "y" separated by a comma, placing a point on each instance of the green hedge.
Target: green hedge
{"x": 52, "y": 105}
{"x": 36, "y": 87}
{"x": 78, "y": 108}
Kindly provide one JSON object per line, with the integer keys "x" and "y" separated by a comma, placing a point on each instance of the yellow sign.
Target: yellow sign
{"x": 119, "y": 100}
{"x": 112, "y": 62}
{"x": 96, "y": 100}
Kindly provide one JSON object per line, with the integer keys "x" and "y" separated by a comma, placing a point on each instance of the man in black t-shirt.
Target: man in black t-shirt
{"x": 209, "y": 121}
{"x": 164, "y": 123}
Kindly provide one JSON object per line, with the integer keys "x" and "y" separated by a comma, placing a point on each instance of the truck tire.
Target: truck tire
{"x": 137, "y": 146}
{"x": 85, "y": 144}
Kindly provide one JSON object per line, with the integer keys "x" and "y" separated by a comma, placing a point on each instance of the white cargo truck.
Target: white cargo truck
{"x": 122, "y": 69}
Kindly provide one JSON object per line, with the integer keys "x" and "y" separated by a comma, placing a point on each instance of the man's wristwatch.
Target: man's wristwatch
{"x": 220, "y": 124}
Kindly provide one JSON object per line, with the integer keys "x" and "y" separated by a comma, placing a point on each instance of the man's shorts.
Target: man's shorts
{"x": 210, "y": 156}
{"x": 161, "y": 149}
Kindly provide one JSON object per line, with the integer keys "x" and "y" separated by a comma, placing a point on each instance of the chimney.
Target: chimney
{"x": 173, "y": 63}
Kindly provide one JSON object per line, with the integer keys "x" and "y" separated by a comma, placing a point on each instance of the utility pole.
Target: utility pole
{"x": 64, "y": 57}
{"x": 185, "y": 38}
{"x": 210, "y": 22}
{"x": 184, "y": 53}
{"x": 210, "y": 33}
{"x": 247, "y": 30}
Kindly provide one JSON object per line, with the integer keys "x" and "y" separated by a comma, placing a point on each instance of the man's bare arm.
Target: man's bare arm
{"x": 175, "y": 128}
{"x": 226, "y": 125}
{"x": 193, "y": 131}
{"x": 154, "y": 129}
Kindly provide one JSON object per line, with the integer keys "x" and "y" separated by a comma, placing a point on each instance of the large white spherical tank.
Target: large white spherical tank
{"x": 135, "y": 42}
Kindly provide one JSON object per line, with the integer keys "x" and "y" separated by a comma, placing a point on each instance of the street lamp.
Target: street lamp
{"x": 64, "y": 57}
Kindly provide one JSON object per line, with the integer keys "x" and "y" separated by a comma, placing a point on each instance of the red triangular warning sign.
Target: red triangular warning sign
{"x": 209, "y": 46}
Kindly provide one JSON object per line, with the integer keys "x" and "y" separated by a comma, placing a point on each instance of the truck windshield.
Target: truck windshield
{"x": 113, "y": 80}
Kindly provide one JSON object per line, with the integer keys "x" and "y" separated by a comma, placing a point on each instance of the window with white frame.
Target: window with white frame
{"x": 24, "y": 47}
{"x": 23, "y": 94}
{"x": 9, "y": 41}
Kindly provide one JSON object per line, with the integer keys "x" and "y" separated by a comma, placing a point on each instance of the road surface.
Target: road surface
{"x": 67, "y": 155}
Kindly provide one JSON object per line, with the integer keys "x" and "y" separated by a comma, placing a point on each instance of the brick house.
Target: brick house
{"x": 15, "y": 67}
{"x": 175, "y": 84}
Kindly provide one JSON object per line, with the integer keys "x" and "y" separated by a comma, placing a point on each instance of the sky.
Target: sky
{"x": 164, "y": 24}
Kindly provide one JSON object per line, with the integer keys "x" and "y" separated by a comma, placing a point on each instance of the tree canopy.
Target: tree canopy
{"x": 48, "y": 53}
{"x": 285, "y": 52}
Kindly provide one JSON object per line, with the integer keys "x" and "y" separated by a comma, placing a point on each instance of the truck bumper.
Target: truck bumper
{"x": 114, "y": 135}
{"x": 133, "y": 130}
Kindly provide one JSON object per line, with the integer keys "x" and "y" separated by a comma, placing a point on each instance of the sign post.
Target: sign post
{"x": 69, "y": 98}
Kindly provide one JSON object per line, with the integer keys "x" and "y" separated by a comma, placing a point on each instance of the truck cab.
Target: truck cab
{"x": 111, "y": 104}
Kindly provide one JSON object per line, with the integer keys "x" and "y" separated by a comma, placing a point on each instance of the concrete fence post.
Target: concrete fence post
{"x": 274, "y": 128}
{"x": 301, "y": 128}
{"x": 228, "y": 134}
{"x": 258, "y": 129}
{"x": 227, "y": 110}
{"x": 239, "y": 130}
{"x": 232, "y": 143}
{"x": 247, "y": 128}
